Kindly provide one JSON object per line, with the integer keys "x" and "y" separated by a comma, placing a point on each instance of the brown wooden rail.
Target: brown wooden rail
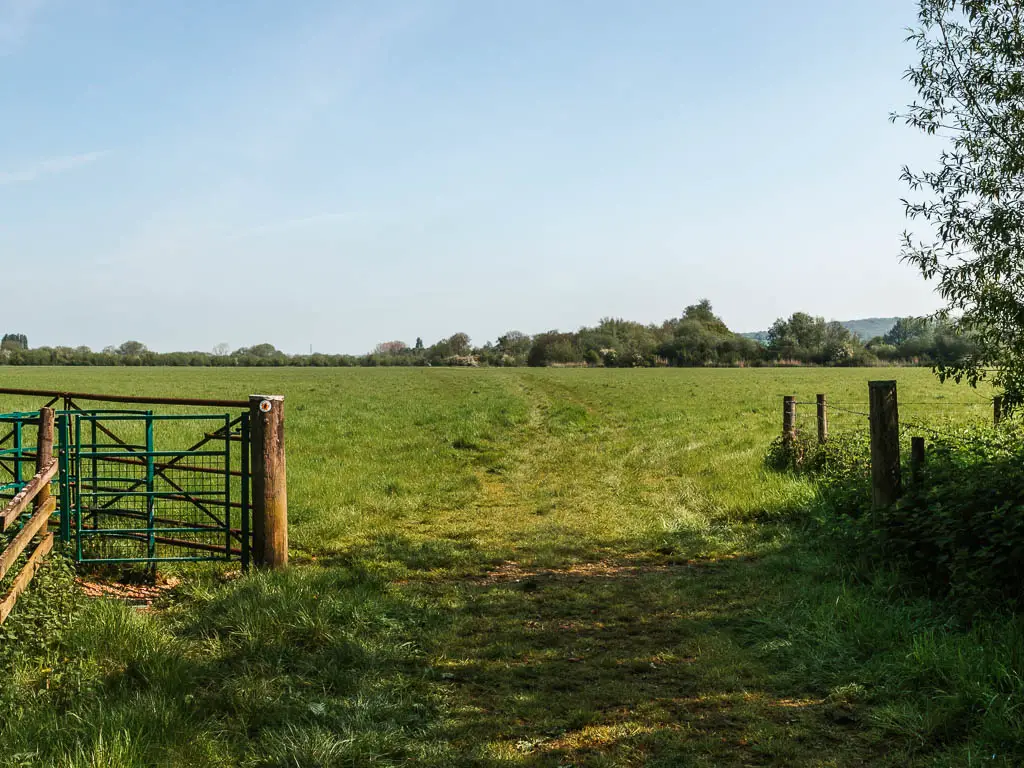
{"x": 21, "y": 500}
{"x": 143, "y": 399}
{"x": 21, "y": 582}
{"x": 35, "y": 524}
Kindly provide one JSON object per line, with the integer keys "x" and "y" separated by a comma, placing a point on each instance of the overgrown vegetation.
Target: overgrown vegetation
{"x": 951, "y": 553}
{"x": 958, "y": 530}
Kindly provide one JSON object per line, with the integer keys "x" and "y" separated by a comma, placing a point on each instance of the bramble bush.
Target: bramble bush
{"x": 958, "y": 530}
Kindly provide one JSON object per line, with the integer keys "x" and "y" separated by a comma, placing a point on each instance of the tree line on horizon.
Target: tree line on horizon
{"x": 696, "y": 338}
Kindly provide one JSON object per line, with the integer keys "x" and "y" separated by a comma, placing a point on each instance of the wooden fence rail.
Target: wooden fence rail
{"x": 16, "y": 506}
{"x": 36, "y": 492}
{"x": 32, "y": 565}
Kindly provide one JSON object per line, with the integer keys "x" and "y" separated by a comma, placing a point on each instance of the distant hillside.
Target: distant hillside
{"x": 870, "y": 327}
{"x": 865, "y": 328}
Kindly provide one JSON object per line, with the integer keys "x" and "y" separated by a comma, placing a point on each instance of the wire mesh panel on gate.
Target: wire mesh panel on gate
{"x": 135, "y": 498}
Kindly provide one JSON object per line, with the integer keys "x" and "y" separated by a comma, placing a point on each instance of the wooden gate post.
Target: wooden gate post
{"x": 885, "y": 443}
{"x": 822, "y": 419}
{"x": 997, "y": 409}
{"x": 44, "y": 452}
{"x": 269, "y": 482}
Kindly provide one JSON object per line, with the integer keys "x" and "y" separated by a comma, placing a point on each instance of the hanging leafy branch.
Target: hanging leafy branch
{"x": 970, "y": 83}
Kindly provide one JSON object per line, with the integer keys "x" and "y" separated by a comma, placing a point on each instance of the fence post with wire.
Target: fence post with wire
{"x": 885, "y": 429}
{"x": 789, "y": 425}
{"x": 886, "y": 482}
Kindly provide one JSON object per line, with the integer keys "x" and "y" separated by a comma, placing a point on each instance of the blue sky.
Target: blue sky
{"x": 336, "y": 174}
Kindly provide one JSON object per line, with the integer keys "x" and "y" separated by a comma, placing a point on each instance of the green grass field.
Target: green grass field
{"x": 518, "y": 567}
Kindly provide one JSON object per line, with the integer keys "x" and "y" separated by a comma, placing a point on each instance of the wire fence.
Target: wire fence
{"x": 907, "y": 427}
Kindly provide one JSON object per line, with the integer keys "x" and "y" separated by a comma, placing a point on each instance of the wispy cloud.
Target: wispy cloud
{"x": 16, "y": 17}
{"x": 50, "y": 167}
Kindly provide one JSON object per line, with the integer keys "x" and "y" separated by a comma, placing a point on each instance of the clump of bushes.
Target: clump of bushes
{"x": 958, "y": 530}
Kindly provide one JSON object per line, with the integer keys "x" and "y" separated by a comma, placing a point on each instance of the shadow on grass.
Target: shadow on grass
{"x": 309, "y": 667}
{"x": 465, "y": 660}
{"x": 625, "y": 664}
{"x": 651, "y": 658}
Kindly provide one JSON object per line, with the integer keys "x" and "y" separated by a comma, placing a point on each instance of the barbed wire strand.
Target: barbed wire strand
{"x": 855, "y": 413}
{"x": 901, "y": 404}
{"x": 975, "y": 444}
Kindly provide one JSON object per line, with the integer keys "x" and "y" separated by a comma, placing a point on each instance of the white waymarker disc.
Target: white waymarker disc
{"x": 265, "y": 406}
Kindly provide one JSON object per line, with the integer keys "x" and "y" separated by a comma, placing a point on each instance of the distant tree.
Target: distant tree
{"x": 222, "y": 349}
{"x": 783, "y": 342}
{"x": 813, "y": 340}
{"x": 515, "y": 345}
{"x": 970, "y": 83}
{"x": 439, "y": 352}
{"x": 703, "y": 313}
{"x": 264, "y": 350}
{"x": 419, "y": 344}
{"x": 808, "y": 331}
{"x": 839, "y": 346}
{"x": 700, "y": 337}
{"x": 621, "y": 342}
{"x": 391, "y": 348}
{"x": 882, "y": 350}
{"x": 907, "y": 328}
{"x": 459, "y": 344}
{"x": 259, "y": 355}
{"x": 131, "y": 349}
{"x": 554, "y": 347}
{"x": 14, "y": 342}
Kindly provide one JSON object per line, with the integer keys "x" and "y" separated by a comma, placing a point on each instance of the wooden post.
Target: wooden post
{"x": 44, "y": 452}
{"x": 997, "y": 409}
{"x": 822, "y": 419}
{"x": 916, "y": 458}
{"x": 885, "y": 443}
{"x": 788, "y": 423}
{"x": 269, "y": 481}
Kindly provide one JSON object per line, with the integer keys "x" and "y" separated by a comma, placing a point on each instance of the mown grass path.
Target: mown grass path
{"x": 492, "y": 568}
{"x": 609, "y": 615}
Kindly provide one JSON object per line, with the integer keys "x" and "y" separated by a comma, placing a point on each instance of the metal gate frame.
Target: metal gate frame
{"x": 261, "y": 424}
{"x": 100, "y": 474}
{"x": 112, "y": 490}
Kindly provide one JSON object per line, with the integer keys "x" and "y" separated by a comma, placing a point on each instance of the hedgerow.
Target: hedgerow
{"x": 957, "y": 532}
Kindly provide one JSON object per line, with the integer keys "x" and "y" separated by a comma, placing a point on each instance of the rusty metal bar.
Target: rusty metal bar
{"x": 161, "y": 465}
{"x": 132, "y": 515}
{"x": 143, "y": 536}
{"x": 125, "y": 398}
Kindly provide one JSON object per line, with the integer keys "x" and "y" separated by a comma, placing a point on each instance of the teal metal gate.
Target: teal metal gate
{"x": 17, "y": 451}
{"x": 138, "y": 487}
